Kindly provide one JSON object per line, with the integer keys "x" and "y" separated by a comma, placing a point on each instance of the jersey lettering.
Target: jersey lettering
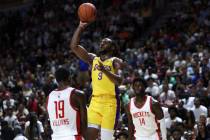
{"x": 141, "y": 114}
{"x": 60, "y": 122}
{"x": 97, "y": 67}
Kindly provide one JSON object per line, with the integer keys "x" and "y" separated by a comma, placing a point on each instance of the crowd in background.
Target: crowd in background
{"x": 174, "y": 60}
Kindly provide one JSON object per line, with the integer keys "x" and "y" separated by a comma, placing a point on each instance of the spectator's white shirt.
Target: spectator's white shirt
{"x": 154, "y": 90}
{"x": 170, "y": 97}
{"x": 170, "y": 86}
{"x": 40, "y": 126}
{"x": 165, "y": 112}
{"x": 153, "y": 75}
{"x": 12, "y": 121}
{"x": 188, "y": 104}
{"x": 169, "y": 121}
{"x": 27, "y": 93}
{"x": 8, "y": 103}
{"x": 198, "y": 111}
{"x": 177, "y": 63}
{"x": 25, "y": 111}
{"x": 20, "y": 137}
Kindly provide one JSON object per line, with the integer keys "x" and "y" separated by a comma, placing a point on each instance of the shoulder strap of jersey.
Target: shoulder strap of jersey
{"x": 131, "y": 102}
{"x": 112, "y": 58}
{"x": 150, "y": 103}
{"x": 95, "y": 58}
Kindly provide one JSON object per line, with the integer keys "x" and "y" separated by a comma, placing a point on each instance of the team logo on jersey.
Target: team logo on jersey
{"x": 97, "y": 67}
{"x": 141, "y": 117}
{"x": 141, "y": 114}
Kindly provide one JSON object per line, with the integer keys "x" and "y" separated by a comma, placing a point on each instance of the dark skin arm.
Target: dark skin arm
{"x": 157, "y": 110}
{"x": 80, "y": 51}
{"x": 114, "y": 77}
{"x": 130, "y": 123}
{"x": 78, "y": 99}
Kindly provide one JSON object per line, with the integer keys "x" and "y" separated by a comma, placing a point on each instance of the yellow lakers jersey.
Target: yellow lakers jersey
{"x": 101, "y": 84}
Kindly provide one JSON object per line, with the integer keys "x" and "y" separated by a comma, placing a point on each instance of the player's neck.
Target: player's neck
{"x": 63, "y": 86}
{"x": 140, "y": 98}
{"x": 104, "y": 57}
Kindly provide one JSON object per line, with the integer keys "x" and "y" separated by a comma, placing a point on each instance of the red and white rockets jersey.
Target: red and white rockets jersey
{"x": 143, "y": 119}
{"x": 64, "y": 118}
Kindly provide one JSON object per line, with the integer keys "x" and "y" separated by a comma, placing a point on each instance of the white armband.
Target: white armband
{"x": 163, "y": 129}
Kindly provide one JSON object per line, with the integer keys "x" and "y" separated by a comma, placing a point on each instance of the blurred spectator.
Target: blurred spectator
{"x": 8, "y": 102}
{"x": 6, "y": 131}
{"x": 177, "y": 135}
{"x": 21, "y": 114}
{"x": 33, "y": 103}
{"x": 198, "y": 109}
{"x": 152, "y": 88}
{"x": 182, "y": 112}
{"x": 202, "y": 132}
{"x": 11, "y": 118}
{"x": 201, "y": 120}
{"x": 34, "y": 128}
{"x": 189, "y": 100}
{"x": 189, "y": 121}
{"x": 49, "y": 85}
{"x": 173, "y": 119}
{"x": 18, "y": 134}
{"x": 167, "y": 97}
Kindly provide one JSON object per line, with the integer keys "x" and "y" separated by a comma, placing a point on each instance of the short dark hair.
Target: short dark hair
{"x": 17, "y": 130}
{"x": 141, "y": 80}
{"x": 62, "y": 75}
{"x": 173, "y": 108}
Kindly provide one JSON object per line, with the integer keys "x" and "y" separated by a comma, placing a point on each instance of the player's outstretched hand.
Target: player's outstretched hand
{"x": 83, "y": 25}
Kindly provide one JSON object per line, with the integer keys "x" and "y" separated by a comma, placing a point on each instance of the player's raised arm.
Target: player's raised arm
{"x": 80, "y": 51}
{"x": 156, "y": 108}
{"x": 130, "y": 124}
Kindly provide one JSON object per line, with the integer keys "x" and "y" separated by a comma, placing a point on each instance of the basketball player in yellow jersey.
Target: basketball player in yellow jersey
{"x": 103, "y": 111}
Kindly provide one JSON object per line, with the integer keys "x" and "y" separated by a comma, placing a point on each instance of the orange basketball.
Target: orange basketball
{"x": 87, "y": 12}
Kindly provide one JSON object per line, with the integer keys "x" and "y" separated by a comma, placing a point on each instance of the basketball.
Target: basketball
{"x": 87, "y": 12}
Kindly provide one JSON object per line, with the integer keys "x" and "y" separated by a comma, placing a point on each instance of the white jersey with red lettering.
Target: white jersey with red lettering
{"x": 145, "y": 124}
{"x": 64, "y": 118}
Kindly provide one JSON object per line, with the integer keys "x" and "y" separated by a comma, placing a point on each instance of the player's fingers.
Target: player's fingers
{"x": 83, "y": 23}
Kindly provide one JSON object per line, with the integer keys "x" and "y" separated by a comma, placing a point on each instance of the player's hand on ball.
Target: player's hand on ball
{"x": 83, "y": 25}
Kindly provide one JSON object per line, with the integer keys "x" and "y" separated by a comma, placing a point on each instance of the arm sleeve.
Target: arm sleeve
{"x": 163, "y": 129}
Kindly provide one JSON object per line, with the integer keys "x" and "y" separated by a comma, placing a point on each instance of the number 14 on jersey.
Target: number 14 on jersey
{"x": 142, "y": 121}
